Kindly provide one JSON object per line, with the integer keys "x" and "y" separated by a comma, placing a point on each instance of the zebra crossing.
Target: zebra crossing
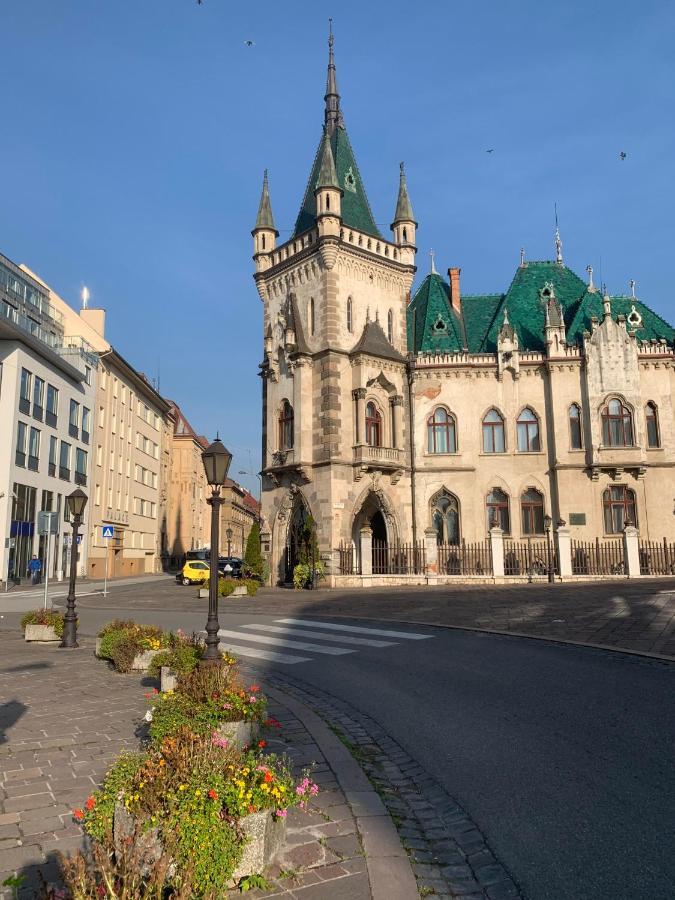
{"x": 291, "y": 641}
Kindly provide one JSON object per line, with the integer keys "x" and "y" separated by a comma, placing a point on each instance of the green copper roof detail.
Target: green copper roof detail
{"x": 265, "y": 219}
{"x": 327, "y": 174}
{"x": 647, "y": 324}
{"x": 433, "y": 326}
{"x": 355, "y": 207}
{"x": 404, "y": 211}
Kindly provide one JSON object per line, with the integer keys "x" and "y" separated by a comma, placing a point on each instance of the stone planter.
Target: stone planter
{"x": 97, "y": 649}
{"x": 143, "y": 659}
{"x": 240, "y": 733}
{"x": 239, "y": 591}
{"x": 42, "y": 634}
{"x": 203, "y": 593}
{"x": 264, "y": 839}
{"x": 167, "y": 679}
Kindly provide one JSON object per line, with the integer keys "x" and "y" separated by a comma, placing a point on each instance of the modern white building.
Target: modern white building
{"x": 47, "y": 403}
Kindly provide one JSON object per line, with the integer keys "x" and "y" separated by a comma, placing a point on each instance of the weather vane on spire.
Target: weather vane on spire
{"x": 558, "y": 242}
{"x": 432, "y": 254}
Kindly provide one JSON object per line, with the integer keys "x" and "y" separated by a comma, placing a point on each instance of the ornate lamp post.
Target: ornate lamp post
{"x": 548, "y": 521}
{"x": 75, "y": 504}
{"x": 216, "y": 459}
{"x": 228, "y": 535}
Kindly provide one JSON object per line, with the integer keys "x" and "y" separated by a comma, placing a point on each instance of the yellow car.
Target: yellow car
{"x": 195, "y": 571}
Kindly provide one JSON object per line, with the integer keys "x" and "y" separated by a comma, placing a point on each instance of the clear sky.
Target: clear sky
{"x": 135, "y": 133}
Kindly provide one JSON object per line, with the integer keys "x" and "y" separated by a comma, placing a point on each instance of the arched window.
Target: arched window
{"x": 576, "y": 440}
{"x": 441, "y": 432}
{"x": 350, "y": 315}
{"x": 617, "y": 425}
{"x": 263, "y": 241}
{"x": 286, "y": 426}
{"x": 445, "y": 519}
{"x": 405, "y": 235}
{"x": 390, "y": 327}
{"x": 493, "y": 433}
{"x": 497, "y": 510}
{"x": 373, "y": 426}
{"x": 311, "y": 315}
{"x": 652, "y": 417}
{"x": 618, "y": 504}
{"x": 527, "y": 427}
{"x": 327, "y": 201}
{"x": 532, "y": 511}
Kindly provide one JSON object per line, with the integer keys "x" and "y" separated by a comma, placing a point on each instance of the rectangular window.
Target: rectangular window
{"x": 74, "y": 419}
{"x": 87, "y": 374}
{"x": 24, "y": 400}
{"x": 80, "y": 466}
{"x": 86, "y": 424}
{"x": 21, "y": 444}
{"x": 97, "y": 495}
{"x": 34, "y": 449}
{"x": 38, "y": 397}
{"x": 53, "y": 443}
{"x": 52, "y": 405}
{"x": 101, "y": 416}
{"x": 64, "y": 461}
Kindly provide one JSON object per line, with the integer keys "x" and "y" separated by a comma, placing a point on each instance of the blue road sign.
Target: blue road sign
{"x": 107, "y": 531}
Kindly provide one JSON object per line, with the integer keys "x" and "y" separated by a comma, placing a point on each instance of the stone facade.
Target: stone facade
{"x": 439, "y": 417}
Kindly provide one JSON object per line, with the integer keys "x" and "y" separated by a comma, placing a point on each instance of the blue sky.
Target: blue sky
{"x": 136, "y": 131}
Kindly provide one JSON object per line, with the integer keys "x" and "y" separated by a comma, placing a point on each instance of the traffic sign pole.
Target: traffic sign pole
{"x": 107, "y": 533}
{"x": 49, "y": 543}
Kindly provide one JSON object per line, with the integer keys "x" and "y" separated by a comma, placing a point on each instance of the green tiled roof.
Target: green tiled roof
{"x": 479, "y": 312}
{"x": 355, "y": 207}
{"x": 653, "y": 327}
{"x": 433, "y": 326}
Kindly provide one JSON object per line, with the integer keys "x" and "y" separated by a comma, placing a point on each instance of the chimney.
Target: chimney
{"x": 455, "y": 297}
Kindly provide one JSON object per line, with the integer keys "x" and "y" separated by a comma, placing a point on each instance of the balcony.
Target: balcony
{"x": 378, "y": 457}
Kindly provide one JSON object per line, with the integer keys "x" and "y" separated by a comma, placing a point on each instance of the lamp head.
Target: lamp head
{"x": 75, "y": 503}
{"x": 216, "y": 459}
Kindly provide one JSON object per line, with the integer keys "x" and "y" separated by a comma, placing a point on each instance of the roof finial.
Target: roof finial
{"x": 332, "y": 115}
{"x": 632, "y": 288}
{"x": 591, "y": 286}
{"x": 404, "y": 212}
{"x": 522, "y": 257}
{"x": 558, "y": 242}
{"x": 433, "y": 262}
{"x": 506, "y": 317}
{"x": 606, "y": 306}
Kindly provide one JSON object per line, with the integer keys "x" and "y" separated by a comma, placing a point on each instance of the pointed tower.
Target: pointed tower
{"x": 333, "y": 114}
{"x": 264, "y": 232}
{"x": 328, "y": 194}
{"x": 404, "y": 225}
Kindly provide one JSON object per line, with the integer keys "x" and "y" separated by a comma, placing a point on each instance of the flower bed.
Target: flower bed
{"x": 131, "y": 646}
{"x": 226, "y": 586}
{"x": 42, "y": 625}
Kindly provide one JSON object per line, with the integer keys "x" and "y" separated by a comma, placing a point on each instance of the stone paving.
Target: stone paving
{"x": 450, "y": 856}
{"x": 64, "y": 716}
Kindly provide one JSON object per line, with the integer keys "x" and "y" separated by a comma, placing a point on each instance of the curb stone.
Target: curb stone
{"x": 448, "y": 854}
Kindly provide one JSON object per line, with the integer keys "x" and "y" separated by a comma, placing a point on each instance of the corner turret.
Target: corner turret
{"x": 404, "y": 225}
{"x": 264, "y": 232}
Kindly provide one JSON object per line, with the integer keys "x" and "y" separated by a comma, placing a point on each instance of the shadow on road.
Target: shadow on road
{"x": 10, "y": 713}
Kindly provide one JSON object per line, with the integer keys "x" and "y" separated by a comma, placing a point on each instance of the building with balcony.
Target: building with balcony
{"x": 440, "y": 417}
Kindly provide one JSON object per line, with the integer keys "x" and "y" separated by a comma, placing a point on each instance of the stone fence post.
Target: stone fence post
{"x": 563, "y": 542}
{"x": 631, "y": 551}
{"x": 497, "y": 545}
{"x": 366, "y": 538}
{"x": 431, "y": 550}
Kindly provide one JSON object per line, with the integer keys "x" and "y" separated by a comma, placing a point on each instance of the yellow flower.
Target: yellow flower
{"x": 198, "y": 793}
{"x": 181, "y": 787}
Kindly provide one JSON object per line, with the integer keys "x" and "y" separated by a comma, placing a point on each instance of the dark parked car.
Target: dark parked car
{"x": 234, "y": 563}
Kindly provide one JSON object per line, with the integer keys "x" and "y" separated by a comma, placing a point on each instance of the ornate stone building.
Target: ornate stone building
{"x": 434, "y": 420}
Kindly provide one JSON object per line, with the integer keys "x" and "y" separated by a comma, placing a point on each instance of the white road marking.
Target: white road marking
{"x": 282, "y": 642}
{"x": 319, "y": 636}
{"x": 317, "y": 623}
{"x": 258, "y": 653}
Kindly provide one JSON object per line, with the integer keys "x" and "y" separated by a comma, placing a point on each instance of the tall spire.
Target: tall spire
{"x": 265, "y": 219}
{"x": 327, "y": 174}
{"x": 333, "y": 114}
{"x": 404, "y": 212}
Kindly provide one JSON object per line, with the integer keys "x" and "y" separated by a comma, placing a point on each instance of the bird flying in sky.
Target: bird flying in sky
{"x": 622, "y": 155}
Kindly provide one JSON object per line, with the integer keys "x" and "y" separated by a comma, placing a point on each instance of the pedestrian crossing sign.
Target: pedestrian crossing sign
{"x": 107, "y": 531}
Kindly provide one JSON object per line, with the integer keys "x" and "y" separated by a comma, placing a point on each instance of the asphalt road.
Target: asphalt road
{"x": 563, "y": 756}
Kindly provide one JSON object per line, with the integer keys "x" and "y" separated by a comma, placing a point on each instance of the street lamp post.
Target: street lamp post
{"x": 548, "y": 521}
{"x": 216, "y": 459}
{"x": 75, "y": 504}
{"x": 228, "y": 535}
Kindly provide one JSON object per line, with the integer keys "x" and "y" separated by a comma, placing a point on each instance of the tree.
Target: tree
{"x": 253, "y": 561}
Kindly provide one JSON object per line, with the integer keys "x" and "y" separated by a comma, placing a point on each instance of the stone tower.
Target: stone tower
{"x": 336, "y": 435}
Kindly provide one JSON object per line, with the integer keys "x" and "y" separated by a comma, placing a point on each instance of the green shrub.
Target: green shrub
{"x": 44, "y": 617}
{"x": 122, "y": 640}
{"x": 181, "y": 660}
{"x": 253, "y": 560}
{"x": 227, "y": 585}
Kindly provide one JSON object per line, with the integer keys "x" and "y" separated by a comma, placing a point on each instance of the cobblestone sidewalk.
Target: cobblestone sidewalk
{"x": 64, "y": 716}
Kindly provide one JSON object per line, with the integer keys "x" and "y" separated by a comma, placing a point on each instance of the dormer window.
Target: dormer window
{"x": 439, "y": 324}
{"x": 634, "y": 318}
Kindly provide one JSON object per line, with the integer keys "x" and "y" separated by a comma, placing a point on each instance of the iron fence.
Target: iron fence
{"x": 529, "y": 558}
{"x": 465, "y": 559}
{"x": 598, "y": 558}
{"x": 347, "y": 560}
{"x": 657, "y": 558}
{"x": 398, "y": 559}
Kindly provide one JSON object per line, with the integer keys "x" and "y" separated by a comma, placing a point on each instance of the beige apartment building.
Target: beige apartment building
{"x": 188, "y": 523}
{"x": 239, "y": 511}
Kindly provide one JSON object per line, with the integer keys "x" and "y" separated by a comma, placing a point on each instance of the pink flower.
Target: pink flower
{"x": 218, "y": 741}
{"x": 252, "y": 698}
{"x": 227, "y": 706}
{"x": 281, "y": 814}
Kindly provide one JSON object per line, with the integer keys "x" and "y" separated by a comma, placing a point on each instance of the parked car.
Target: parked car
{"x": 235, "y": 566}
{"x": 195, "y": 571}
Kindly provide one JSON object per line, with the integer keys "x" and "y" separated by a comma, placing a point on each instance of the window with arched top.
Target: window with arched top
{"x": 494, "y": 440}
{"x": 286, "y": 426}
{"x": 405, "y": 235}
{"x": 327, "y": 201}
{"x": 619, "y": 510}
{"x": 373, "y": 425}
{"x": 312, "y": 319}
{"x": 532, "y": 511}
{"x": 445, "y": 518}
{"x": 350, "y": 315}
{"x": 497, "y": 510}
{"x": 576, "y": 437}
{"x": 441, "y": 432}
{"x": 527, "y": 429}
{"x": 652, "y": 419}
{"x": 390, "y": 327}
{"x": 263, "y": 241}
{"x": 617, "y": 425}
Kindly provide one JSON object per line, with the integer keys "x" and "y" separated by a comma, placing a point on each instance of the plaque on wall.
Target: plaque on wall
{"x": 577, "y": 518}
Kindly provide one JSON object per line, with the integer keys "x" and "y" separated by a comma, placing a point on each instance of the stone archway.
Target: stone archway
{"x": 374, "y": 510}
{"x": 291, "y": 519}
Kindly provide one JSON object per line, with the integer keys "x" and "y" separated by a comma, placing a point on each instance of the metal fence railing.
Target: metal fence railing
{"x": 529, "y": 558}
{"x": 465, "y": 559}
{"x": 348, "y": 560}
{"x": 598, "y": 558}
{"x": 398, "y": 559}
{"x": 657, "y": 558}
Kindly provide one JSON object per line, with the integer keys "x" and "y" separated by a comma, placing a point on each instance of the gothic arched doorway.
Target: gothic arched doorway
{"x": 294, "y": 540}
{"x": 375, "y": 514}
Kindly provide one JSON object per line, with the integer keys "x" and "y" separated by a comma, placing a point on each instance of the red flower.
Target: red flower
{"x": 254, "y": 688}
{"x": 78, "y": 814}
{"x": 90, "y": 803}
{"x": 271, "y": 722}
{"x": 251, "y": 808}
{"x": 262, "y": 743}
{"x": 212, "y": 795}
{"x": 269, "y": 777}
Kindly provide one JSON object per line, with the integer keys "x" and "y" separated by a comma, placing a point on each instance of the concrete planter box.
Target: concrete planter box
{"x": 239, "y": 591}
{"x": 143, "y": 659}
{"x": 203, "y": 593}
{"x": 42, "y": 634}
{"x": 167, "y": 679}
{"x": 97, "y": 649}
{"x": 240, "y": 733}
